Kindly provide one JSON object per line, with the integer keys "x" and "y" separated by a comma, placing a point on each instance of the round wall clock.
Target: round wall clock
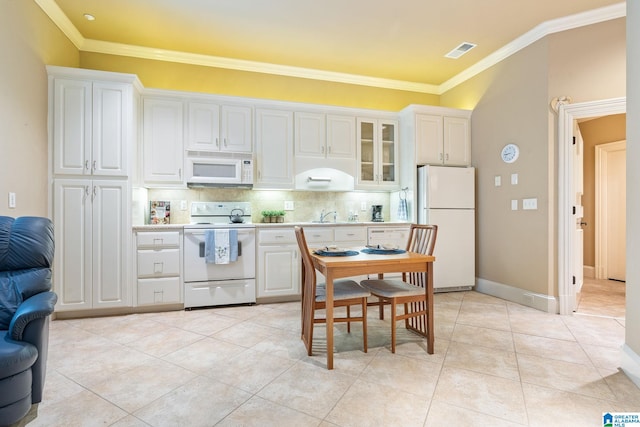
{"x": 510, "y": 153}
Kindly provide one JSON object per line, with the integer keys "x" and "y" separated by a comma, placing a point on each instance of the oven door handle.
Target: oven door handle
{"x": 202, "y": 249}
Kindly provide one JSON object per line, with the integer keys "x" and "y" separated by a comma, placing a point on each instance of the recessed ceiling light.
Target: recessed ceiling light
{"x": 462, "y": 48}
{"x": 89, "y": 17}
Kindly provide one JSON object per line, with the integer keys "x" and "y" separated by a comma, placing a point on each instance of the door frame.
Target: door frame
{"x": 567, "y": 113}
{"x": 601, "y": 249}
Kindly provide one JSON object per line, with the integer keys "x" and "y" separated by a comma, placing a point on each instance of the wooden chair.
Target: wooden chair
{"x": 345, "y": 294}
{"x": 410, "y": 291}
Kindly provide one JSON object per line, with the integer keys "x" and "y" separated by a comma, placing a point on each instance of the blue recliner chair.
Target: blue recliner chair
{"x": 26, "y": 303}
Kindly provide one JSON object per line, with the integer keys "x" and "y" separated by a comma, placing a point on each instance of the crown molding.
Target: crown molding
{"x": 110, "y": 48}
{"x": 595, "y": 16}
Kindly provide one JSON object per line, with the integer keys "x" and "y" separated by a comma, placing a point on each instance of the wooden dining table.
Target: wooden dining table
{"x": 336, "y": 267}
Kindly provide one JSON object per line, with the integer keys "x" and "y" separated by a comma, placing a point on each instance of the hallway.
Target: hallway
{"x": 605, "y": 298}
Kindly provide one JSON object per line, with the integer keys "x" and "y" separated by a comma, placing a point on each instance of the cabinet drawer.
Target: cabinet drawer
{"x": 282, "y": 235}
{"x": 318, "y": 234}
{"x": 351, "y": 234}
{"x": 158, "y": 263}
{"x": 158, "y": 239}
{"x": 164, "y": 290}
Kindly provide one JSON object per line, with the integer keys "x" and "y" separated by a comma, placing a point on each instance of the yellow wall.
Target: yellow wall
{"x": 28, "y": 41}
{"x": 194, "y": 78}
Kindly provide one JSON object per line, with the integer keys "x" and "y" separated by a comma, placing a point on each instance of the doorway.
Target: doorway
{"x": 567, "y": 115}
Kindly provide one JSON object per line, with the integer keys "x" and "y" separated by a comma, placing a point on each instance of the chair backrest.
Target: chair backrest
{"x": 308, "y": 283}
{"x": 422, "y": 238}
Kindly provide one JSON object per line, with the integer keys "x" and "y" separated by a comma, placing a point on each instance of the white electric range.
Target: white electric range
{"x": 208, "y": 284}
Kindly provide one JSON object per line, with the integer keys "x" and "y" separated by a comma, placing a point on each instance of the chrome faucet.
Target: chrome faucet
{"x": 324, "y": 215}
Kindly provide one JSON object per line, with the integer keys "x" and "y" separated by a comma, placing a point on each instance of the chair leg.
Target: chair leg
{"x": 381, "y": 308}
{"x": 406, "y": 311}
{"x": 364, "y": 323}
{"x": 348, "y": 321}
{"x": 393, "y": 326}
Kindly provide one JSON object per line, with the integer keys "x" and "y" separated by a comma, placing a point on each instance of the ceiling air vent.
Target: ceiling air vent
{"x": 460, "y": 50}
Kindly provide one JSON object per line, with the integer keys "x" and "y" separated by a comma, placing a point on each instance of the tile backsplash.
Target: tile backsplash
{"x": 307, "y": 204}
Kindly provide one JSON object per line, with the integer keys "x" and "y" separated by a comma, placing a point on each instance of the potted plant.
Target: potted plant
{"x": 279, "y": 216}
{"x": 267, "y": 215}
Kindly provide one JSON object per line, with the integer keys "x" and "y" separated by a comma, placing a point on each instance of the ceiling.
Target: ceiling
{"x": 399, "y": 44}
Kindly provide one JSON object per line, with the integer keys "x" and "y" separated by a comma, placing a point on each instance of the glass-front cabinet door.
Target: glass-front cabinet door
{"x": 377, "y": 153}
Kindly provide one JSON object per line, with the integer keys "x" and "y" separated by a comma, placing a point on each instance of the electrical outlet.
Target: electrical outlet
{"x": 363, "y": 206}
{"x": 514, "y": 179}
{"x": 183, "y": 205}
{"x": 514, "y": 205}
{"x": 288, "y": 205}
{"x": 12, "y": 200}
{"x": 497, "y": 180}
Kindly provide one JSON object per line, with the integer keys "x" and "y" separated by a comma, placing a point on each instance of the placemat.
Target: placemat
{"x": 334, "y": 253}
{"x": 382, "y": 251}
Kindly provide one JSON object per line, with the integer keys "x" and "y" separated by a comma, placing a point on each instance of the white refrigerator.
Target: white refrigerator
{"x": 446, "y": 198}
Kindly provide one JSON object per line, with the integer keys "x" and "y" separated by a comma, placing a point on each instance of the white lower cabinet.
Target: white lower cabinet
{"x": 91, "y": 267}
{"x": 278, "y": 263}
{"x": 159, "y": 267}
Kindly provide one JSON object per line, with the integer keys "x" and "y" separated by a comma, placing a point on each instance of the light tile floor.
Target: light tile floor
{"x": 495, "y": 364}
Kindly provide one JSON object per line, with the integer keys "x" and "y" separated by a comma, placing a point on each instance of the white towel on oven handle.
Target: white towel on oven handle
{"x": 220, "y": 246}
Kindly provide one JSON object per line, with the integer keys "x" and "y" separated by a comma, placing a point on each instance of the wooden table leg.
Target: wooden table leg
{"x": 429, "y": 290}
{"x": 329, "y": 323}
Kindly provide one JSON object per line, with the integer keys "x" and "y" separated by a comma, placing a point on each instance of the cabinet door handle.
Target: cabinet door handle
{"x": 95, "y": 192}
{"x": 447, "y": 156}
{"x": 329, "y": 150}
{"x": 86, "y": 193}
{"x": 322, "y": 150}
{"x": 180, "y": 173}
{"x": 225, "y": 142}
{"x": 86, "y": 164}
{"x": 217, "y": 143}
{"x": 440, "y": 156}
{"x": 93, "y": 166}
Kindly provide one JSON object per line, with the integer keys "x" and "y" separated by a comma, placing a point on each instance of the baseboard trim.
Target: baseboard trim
{"x": 540, "y": 302}
{"x": 630, "y": 364}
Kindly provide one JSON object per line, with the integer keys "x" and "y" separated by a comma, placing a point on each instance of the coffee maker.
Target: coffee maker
{"x": 376, "y": 213}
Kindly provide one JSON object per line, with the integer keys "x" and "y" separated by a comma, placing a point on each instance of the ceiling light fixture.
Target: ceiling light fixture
{"x": 460, "y": 50}
{"x": 89, "y": 17}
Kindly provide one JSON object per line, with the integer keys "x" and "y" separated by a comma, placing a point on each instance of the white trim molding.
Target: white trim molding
{"x": 630, "y": 364}
{"x": 567, "y": 113}
{"x": 595, "y": 16}
{"x": 547, "y": 303}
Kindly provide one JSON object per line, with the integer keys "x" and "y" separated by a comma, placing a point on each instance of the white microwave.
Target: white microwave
{"x": 205, "y": 169}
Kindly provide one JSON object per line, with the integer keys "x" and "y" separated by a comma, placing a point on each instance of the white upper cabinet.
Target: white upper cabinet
{"x": 163, "y": 144}
{"x": 236, "y": 129}
{"x": 310, "y": 135}
{"x": 341, "y": 136}
{"x": 377, "y": 154}
{"x": 219, "y": 128}
{"x": 274, "y": 149}
{"x": 325, "y": 135}
{"x": 92, "y": 127}
{"x": 204, "y": 127}
{"x": 442, "y": 140}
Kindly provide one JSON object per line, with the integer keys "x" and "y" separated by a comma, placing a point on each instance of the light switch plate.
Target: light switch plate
{"x": 363, "y": 206}
{"x": 514, "y": 179}
{"x": 183, "y": 205}
{"x": 12, "y": 200}
{"x": 288, "y": 205}
{"x": 497, "y": 180}
{"x": 514, "y": 205}
{"x": 530, "y": 204}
